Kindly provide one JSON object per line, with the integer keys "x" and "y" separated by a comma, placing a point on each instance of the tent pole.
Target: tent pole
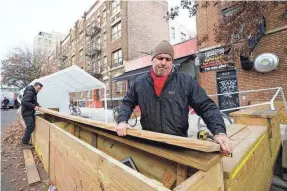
{"x": 106, "y": 112}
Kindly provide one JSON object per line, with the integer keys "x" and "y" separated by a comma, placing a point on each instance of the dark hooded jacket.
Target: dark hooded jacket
{"x": 168, "y": 113}
{"x": 29, "y": 101}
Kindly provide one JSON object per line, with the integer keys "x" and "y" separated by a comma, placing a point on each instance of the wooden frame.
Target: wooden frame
{"x": 85, "y": 156}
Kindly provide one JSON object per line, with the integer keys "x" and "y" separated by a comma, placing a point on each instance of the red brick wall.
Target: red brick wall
{"x": 274, "y": 43}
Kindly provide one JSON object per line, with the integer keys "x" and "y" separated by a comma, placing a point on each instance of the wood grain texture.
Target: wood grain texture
{"x": 211, "y": 180}
{"x": 234, "y": 128}
{"x": 242, "y": 143}
{"x": 181, "y": 174}
{"x": 149, "y": 165}
{"x": 260, "y": 111}
{"x": 191, "y": 143}
{"x": 41, "y": 141}
{"x": 31, "y": 169}
{"x": 77, "y": 165}
{"x": 168, "y": 179}
{"x": 195, "y": 159}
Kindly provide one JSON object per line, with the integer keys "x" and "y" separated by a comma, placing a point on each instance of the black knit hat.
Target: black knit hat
{"x": 163, "y": 47}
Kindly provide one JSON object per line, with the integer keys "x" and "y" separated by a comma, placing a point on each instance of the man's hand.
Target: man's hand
{"x": 224, "y": 142}
{"x": 122, "y": 128}
{"x": 36, "y": 108}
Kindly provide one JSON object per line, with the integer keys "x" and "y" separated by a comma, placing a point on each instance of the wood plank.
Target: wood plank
{"x": 151, "y": 166}
{"x": 181, "y": 174}
{"x": 204, "y": 181}
{"x": 31, "y": 170}
{"x": 79, "y": 166}
{"x": 191, "y": 143}
{"x": 254, "y": 174}
{"x": 168, "y": 179}
{"x": 241, "y": 151}
{"x": 41, "y": 141}
{"x": 234, "y": 128}
{"x": 195, "y": 159}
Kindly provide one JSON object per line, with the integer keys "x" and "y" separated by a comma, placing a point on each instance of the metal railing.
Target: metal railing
{"x": 271, "y": 102}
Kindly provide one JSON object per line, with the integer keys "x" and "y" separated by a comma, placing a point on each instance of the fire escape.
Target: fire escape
{"x": 93, "y": 47}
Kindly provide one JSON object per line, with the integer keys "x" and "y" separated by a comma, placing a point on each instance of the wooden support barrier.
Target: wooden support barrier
{"x": 82, "y": 154}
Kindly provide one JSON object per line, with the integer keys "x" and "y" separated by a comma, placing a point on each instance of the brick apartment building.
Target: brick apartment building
{"x": 108, "y": 35}
{"x": 233, "y": 73}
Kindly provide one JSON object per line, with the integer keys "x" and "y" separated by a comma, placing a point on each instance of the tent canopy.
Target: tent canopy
{"x": 57, "y": 86}
{"x": 72, "y": 79}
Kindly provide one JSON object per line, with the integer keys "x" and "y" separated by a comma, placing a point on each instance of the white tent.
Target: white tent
{"x": 57, "y": 86}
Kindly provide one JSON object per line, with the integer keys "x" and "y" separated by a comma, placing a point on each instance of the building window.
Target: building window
{"x": 105, "y": 61}
{"x": 81, "y": 54}
{"x": 107, "y": 88}
{"x": 99, "y": 20}
{"x": 183, "y": 36}
{"x": 73, "y": 60}
{"x": 99, "y": 42}
{"x": 104, "y": 16}
{"x": 120, "y": 87}
{"x": 117, "y": 58}
{"x": 116, "y": 6}
{"x": 99, "y": 65}
{"x": 116, "y": 30}
{"x": 105, "y": 39}
{"x": 172, "y": 33}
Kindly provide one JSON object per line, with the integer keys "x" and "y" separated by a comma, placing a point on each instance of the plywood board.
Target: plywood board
{"x": 191, "y": 143}
{"x": 41, "y": 141}
{"x": 168, "y": 179}
{"x": 195, "y": 159}
{"x": 151, "y": 166}
{"x": 254, "y": 175}
{"x": 31, "y": 169}
{"x": 234, "y": 128}
{"x": 77, "y": 165}
{"x": 244, "y": 149}
{"x": 204, "y": 181}
{"x": 181, "y": 174}
{"x": 260, "y": 111}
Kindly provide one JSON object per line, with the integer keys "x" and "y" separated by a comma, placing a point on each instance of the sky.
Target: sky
{"x": 21, "y": 20}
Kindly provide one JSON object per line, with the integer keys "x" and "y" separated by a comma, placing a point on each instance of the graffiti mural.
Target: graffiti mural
{"x": 226, "y": 84}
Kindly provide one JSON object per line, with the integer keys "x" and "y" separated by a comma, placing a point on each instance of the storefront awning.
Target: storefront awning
{"x": 131, "y": 75}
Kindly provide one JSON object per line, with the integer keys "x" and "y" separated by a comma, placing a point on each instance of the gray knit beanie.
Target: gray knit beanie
{"x": 163, "y": 47}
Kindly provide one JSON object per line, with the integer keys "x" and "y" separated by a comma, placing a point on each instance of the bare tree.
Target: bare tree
{"x": 21, "y": 67}
{"x": 244, "y": 20}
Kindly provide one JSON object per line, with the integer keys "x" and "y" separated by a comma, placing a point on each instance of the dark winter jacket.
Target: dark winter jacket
{"x": 6, "y": 101}
{"x": 29, "y": 101}
{"x": 168, "y": 113}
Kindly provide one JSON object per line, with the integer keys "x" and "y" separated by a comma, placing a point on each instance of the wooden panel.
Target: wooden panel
{"x": 77, "y": 165}
{"x": 152, "y": 166}
{"x": 254, "y": 176}
{"x": 260, "y": 111}
{"x": 41, "y": 137}
{"x": 31, "y": 170}
{"x": 195, "y": 159}
{"x": 181, "y": 174}
{"x": 168, "y": 179}
{"x": 191, "y": 143}
{"x": 204, "y": 181}
{"x": 86, "y": 136}
{"x": 249, "y": 165}
{"x": 234, "y": 128}
{"x": 243, "y": 151}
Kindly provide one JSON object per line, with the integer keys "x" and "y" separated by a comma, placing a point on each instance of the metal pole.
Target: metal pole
{"x": 247, "y": 91}
{"x": 106, "y": 112}
{"x": 284, "y": 100}
{"x": 273, "y": 98}
{"x": 242, "y": 107}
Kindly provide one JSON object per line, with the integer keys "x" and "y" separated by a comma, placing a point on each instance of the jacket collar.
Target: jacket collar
{"x": 174, "y": 71}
